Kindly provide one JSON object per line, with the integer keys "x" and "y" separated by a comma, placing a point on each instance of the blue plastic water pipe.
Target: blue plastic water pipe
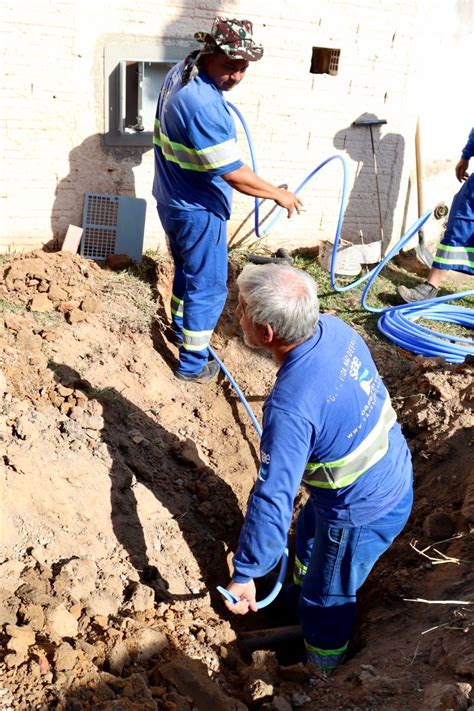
{"x": 237, "y": 390}
{"x": 397, "y": 323}
{"x": 233, "y": 599}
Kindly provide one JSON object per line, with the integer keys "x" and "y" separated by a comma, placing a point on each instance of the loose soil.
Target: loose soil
{"x": 123, "y": 492}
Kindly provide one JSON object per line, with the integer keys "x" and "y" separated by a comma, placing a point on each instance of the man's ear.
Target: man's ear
{"x": 267, "y": 334}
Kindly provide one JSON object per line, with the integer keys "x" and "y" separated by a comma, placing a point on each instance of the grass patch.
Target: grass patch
{"x": 382, "y": 294}
{"x": 50, "y": 319}
{"x": 129, "y": 299}
{"x": 7, "y": 308}
{"x": 134, "y": 289}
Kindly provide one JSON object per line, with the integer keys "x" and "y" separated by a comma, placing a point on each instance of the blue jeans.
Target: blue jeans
{"x": 198, "y": 245}
{"x": 332, "y": 564}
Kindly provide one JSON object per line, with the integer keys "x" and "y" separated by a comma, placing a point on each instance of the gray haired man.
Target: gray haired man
{"x": 328, "y": 423}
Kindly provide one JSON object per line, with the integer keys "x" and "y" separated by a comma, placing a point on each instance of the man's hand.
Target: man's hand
{"x": 289, "y": 201}
{"x": 246, "y": 592}
{"x": 461, "y": 170}
{"x": 247, "y": 182}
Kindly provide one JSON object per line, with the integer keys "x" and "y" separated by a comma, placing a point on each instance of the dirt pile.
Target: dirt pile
{"x": 123, "y": 491}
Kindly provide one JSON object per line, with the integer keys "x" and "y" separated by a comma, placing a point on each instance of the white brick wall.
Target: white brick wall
{"x": 52, "y": 108}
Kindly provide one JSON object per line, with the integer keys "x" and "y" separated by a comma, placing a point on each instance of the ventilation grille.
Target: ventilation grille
{"x": 102, "y": 210}
{"x": 325, "y": 60}
{"x": 99, "y": 225}
{"x": 112, "y": 225}
{"x": 334, "y": 61}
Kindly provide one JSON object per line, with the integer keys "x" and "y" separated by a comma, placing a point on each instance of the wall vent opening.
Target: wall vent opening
{"x": 325, "y": 60}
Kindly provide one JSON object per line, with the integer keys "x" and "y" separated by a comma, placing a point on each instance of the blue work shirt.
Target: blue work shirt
{"x": 328, "y": 421}
{"x": 195, "y": 143}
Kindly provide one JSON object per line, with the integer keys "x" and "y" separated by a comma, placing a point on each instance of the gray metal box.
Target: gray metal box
{"x": 133, "y": 76}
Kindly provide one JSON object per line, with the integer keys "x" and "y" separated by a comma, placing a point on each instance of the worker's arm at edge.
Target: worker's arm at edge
{"x": 467, "y": 153}
{"x": 249, "y": 183}
{"x": 461, "y": 170}
{"x": 263, "y": 536}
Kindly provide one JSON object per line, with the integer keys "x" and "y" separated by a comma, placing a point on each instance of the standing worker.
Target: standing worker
{"x": 328, "y": 422}
{"x": 456, "y": 249}
{"x": 197, "y": 164}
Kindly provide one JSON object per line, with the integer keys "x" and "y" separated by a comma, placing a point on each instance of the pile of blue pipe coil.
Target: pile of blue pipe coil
{"x": 397, "y": 323}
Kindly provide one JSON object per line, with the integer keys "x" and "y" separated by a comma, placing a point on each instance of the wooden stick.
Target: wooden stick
{"x": 439, "y": 602}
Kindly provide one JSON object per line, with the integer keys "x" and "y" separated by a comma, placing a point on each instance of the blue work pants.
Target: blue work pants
{"x": 455, "y": 250}
{"x": 198, "y": 245}
{"x": 332, "y": 563}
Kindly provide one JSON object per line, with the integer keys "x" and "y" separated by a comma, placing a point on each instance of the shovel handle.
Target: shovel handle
{"x": 419, "y": 174}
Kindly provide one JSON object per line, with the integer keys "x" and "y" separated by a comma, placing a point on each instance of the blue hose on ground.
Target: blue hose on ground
{"x": 396, "y": 322}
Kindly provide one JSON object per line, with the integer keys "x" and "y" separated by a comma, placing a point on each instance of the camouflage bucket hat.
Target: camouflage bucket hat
{"x": 233, "y": 37}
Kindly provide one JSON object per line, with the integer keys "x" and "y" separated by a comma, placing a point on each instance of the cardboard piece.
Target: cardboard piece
{"x": 72, "y": 239}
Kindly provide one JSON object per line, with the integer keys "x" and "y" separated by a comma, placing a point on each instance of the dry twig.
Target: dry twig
{"x": 462, "y": 615}
{"x": 443, "y": 558}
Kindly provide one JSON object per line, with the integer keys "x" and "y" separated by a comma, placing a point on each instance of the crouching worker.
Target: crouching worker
{"x": 329, "y": 423}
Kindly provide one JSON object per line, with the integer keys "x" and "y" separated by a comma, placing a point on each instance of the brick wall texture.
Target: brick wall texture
{"x": 399, "y": 61}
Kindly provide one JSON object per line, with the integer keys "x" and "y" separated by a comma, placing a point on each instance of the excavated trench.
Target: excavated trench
{"x": 124, "y": 492}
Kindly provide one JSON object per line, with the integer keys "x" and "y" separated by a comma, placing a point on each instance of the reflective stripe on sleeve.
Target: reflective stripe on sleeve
{"x": 342, "y": 472}
{"x": 191, "y": 159}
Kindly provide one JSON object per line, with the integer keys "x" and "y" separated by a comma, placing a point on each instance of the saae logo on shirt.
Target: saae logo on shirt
{"x": 265, "y": 461}
{"x": 264, "y": 457}
{"x": 364, "y": 381}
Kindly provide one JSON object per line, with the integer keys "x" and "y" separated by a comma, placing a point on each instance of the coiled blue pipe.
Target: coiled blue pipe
{"x": 397, "y": 323}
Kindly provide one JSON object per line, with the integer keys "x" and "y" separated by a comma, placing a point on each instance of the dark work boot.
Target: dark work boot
{"x": 418, "y": 293}
{"x": 208, "y": 373}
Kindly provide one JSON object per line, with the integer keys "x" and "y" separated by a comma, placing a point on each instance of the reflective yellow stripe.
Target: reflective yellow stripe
{"x": 455, "y": 255}
{"x": 325, "y": 659}
{"x": 454, "y": 261}
{"x": 196, "y": 340}
{"x": 449, "y": 248}
{"x": 299, "y": 571}
{"x": 191, "y": 159}
{"x": 178, "y": 309}
{"x": 342, "y": 472}
{"x": 326, "y": 652}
